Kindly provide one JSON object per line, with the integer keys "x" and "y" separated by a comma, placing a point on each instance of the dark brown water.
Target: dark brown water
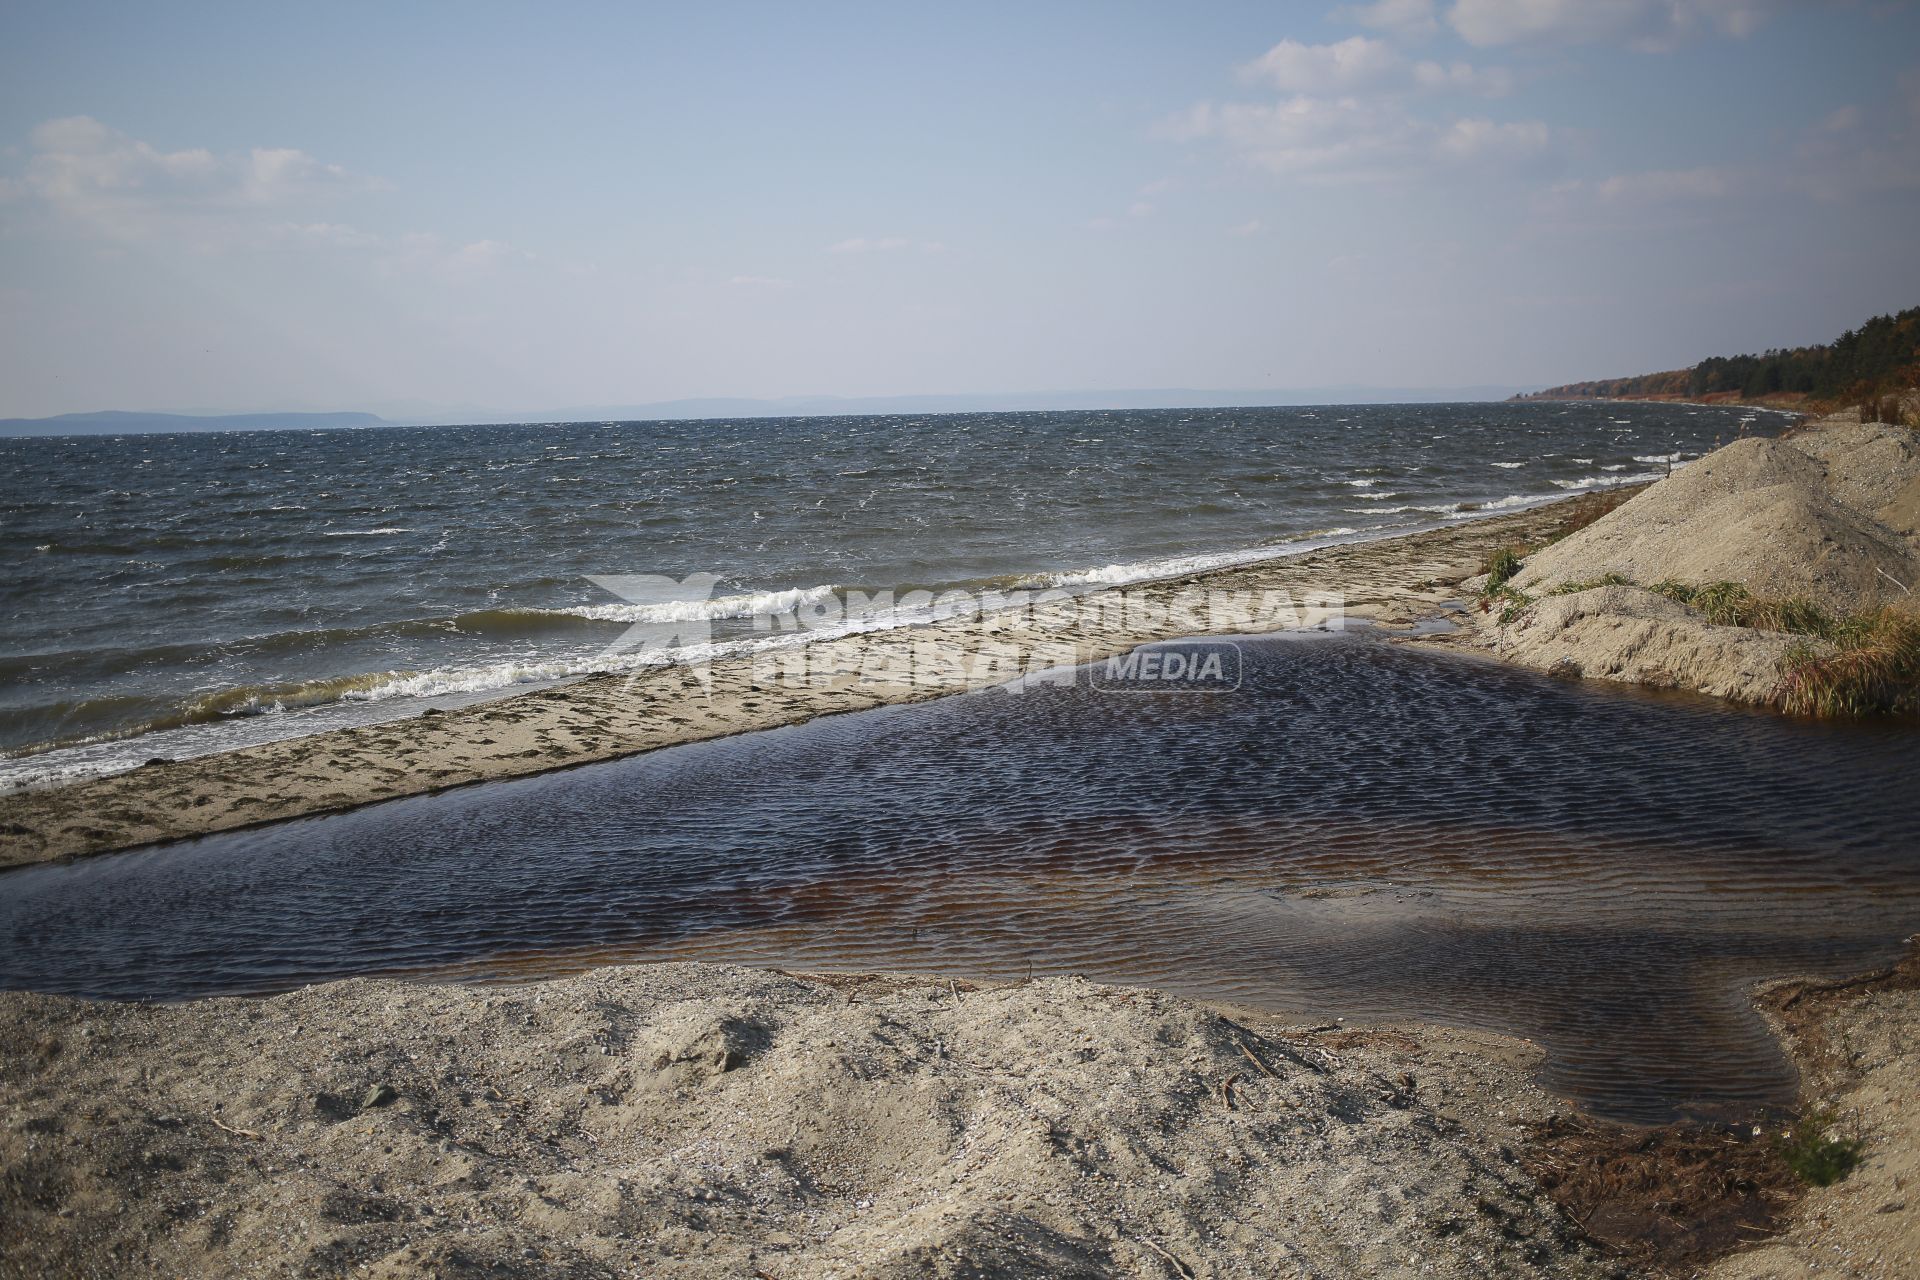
{"x": 1359, "y": 831}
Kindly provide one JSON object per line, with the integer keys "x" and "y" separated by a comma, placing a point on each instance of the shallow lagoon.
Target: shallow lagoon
{"x": 1359, "y": 830}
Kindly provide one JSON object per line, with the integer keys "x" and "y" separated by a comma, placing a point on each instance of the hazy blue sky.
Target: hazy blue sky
{"x": 395, "y": 207}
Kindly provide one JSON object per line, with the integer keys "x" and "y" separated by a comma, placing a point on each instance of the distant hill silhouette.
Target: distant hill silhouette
{"x": 115, "y": 423}
{"x": 68, "y": 424}
{"x": 1881, "y": 356}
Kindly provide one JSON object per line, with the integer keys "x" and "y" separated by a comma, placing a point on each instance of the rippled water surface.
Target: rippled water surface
{"x": 204, "y": 591}
{"x": 1360, "y": 831}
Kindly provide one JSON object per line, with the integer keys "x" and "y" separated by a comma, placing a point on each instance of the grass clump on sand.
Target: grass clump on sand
{"x": 1500, "y": 568}
{"x": 1872, "y": 667}
{"x": 1815, "y": 1155}
{"x": 1728, "y": 604}
{"x": 1604, "y": 580}
{"x": 1875, "y": 669}
{"x": 1505, "y": 562}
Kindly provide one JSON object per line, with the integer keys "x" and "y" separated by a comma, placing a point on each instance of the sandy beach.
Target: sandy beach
{"x": 710, "y": 1120}
{"x": 704, "y": 1120}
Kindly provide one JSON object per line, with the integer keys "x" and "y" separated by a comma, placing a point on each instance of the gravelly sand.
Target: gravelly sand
{"x": 696, "y": 1120}
{"x": 692, "y": 1120}
{"x": 1858, "y": 1046}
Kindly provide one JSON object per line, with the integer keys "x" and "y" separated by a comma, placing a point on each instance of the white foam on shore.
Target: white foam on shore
{"x": 747, "y": 604}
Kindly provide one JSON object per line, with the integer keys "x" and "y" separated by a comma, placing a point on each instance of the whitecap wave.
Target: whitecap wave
{"x": 1608, "y": 481}
{"x": 1121, "y": 575}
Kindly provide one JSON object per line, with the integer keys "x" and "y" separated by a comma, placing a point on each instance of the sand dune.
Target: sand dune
{"x": 1827, "y": 515}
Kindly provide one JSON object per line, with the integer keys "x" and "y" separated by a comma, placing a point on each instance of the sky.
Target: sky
{"x": 421, "y": 209}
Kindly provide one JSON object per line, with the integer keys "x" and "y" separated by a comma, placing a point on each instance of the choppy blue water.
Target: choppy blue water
{"x": 172, "y": 595}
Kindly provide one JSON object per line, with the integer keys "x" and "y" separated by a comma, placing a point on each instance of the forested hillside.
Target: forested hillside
{"x": 1881, "y": 356}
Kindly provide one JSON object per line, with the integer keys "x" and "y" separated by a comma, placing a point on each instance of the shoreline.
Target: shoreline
{"x": 1393, "y": 581}
{"x": 785, "y": 1124}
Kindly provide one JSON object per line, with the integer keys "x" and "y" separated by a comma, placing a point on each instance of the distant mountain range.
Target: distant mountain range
{"x": 122, "y": 423}
{"x": 115, "y": 423}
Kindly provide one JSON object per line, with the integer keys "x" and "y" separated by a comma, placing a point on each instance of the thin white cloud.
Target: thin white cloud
{"x": 99, "y": 182}
{"x": 864, "y": 244}
{"x": 1302, "y": 136}
{"x": 1873, "y": 146}
{"x": 1360, "y": 111}
{"x": 1404, "y": 19}
{"x": 335, "y": 235}
{"x": 1251, "y": 227}
{"x": 1354, "y": 63}
{"x": 1663, "y": 186}
{"x": 885, "y": 244}
{"x": 1478, "y": 139}
{"x": 1642, "y": 202}
{"x": 1841, "y": 119}
{"x": 86, "y": 171}
{"x": 1362, "y": 66}
{"x": 1463, "y": 77}
{"x": 1326, "y": 140}
{"x": 1653, "y": 25}
{"x": 1858, "y": 149}
{"x": 453, "y": 261}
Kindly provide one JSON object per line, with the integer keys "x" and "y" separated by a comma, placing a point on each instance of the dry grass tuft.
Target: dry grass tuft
{"x": 1875, "y": 670}
{"x": 1871, "y": 668}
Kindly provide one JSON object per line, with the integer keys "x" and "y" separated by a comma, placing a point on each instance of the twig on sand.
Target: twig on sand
{"x": 1254, "y": 1058}
{"x": 1179, "y": 1268}
{"x": 1226, "y": 1090}
{"x": 954, "y": 987}
{"x": 1895, "y": 581}
{"x": 239, "y": 1133}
